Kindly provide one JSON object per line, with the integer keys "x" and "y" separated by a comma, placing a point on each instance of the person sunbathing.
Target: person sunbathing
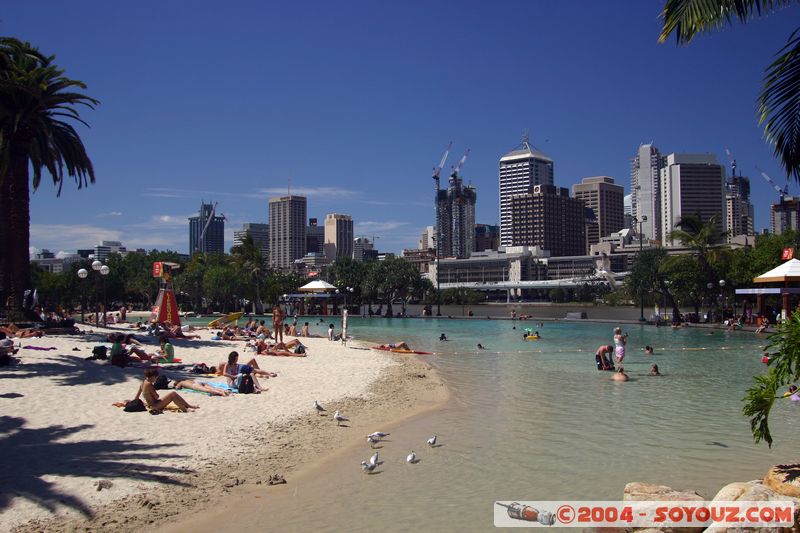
{"x": 12, "y": 330}
{"x": 289, "y": 349}
{"x": 232, "y": 369}
{"x": 154, "y": 401}
{"x": 198, "y": 386}
{"x": 396, "y": 346}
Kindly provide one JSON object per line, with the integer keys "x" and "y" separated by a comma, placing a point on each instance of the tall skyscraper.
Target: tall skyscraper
{"x": 627, "y": 208}
{"x": 549, "y": 218}
{"x": 362, "y": 248}
{"x": 207, "y": 231}
{"x": 738, "y": 209}
{"x": 456, "y": 207}
{"x": 315, "y": 237}
{"x": 691, "y": 185}
{"x": 646, "y": 190}
{"x": 287, "y": 230}
{"x": 259, "y": 234}
{"x": 427, "y": 240}
{"x": 338, "y": 236}
{"x": 520, "y": 169}
{"x": 606, "y": 199}
{"x": 785, "y": 215}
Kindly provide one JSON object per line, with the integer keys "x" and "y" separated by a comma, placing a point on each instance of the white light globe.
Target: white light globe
{"x": 104, "y": 270}
{"x": 82, "y": 273}
{"x": 96, "y": 265}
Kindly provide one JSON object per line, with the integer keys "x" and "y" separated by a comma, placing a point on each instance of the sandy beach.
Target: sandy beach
{"x": 74, "y": 461}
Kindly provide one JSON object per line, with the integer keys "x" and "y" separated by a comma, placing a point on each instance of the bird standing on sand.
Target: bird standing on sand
{"x": 367, "y": 467}
{"x": 412, "y": 457}
{"x": 378, "y": 435}
{"x": 374, "y": 459}
{"x": 372, "y": 441}
{"x": 339, "y": 418}
{"x": 318, "y": 407}
{"x": 432, "y": 441}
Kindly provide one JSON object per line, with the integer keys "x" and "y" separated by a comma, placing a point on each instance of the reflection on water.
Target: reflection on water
{"x": 536, "y": 421}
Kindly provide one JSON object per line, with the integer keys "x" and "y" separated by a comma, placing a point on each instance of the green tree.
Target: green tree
{"x": 778, "y": 103}
{"x": 345, "y": 272}
{"x": 37, "y": 107}
{"x": 393, "y": 278}
{"x": 700, "y": 237}
{"x": 249, "y": 262}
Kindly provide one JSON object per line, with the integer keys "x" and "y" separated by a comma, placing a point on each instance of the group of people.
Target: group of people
{"x": 605, "y": 353}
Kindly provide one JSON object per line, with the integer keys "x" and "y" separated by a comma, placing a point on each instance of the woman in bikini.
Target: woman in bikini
{"x": 154, "y": 401}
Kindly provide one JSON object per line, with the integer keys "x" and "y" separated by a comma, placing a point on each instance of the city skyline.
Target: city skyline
{"x": 348, "y": 123}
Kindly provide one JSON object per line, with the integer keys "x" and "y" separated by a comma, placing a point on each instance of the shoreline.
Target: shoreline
{"x": 404, "y": 387}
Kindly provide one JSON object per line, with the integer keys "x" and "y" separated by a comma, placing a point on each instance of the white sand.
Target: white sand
{"x": 60, "y": 433}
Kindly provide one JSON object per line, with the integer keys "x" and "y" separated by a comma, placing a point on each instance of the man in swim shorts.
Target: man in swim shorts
{"x": 602, "y": 357}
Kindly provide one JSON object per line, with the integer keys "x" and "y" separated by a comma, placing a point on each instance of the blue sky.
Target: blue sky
{"x": 356, "y": 101}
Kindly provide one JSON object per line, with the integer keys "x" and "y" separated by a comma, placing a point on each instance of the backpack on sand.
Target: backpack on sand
{"x": 245, "y": 384}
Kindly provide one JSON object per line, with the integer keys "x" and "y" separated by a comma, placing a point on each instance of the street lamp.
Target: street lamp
{"x": 710, "y": 286}
{"x": 104, "y": 270}
{"x": 96, "y": 266}
{"x": 722, "y": 299}
{"x": 82, "y": 274}
{"x": 641, "y": 292}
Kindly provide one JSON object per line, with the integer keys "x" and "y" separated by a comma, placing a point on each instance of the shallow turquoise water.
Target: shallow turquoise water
{"x": 536, "y": 421}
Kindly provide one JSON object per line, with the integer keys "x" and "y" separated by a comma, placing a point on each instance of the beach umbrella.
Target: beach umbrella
{"x": 788, "y": 271}
{"x": 317, "y": 286}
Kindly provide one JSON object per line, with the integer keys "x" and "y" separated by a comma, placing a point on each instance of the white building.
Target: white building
{"x": 645, "y": 190}
{"x": 427, "y": 240}
{"x": 691, "y": 184}
{"x": 338, "y": 236}
{"x": 520, "y": 169}
{"x": 106, "y": 248}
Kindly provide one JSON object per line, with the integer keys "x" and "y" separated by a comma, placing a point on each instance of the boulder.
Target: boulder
{"x": 752, "y": 491}
{"x": 640, "y": 492}
{"x": 784, "y": 479}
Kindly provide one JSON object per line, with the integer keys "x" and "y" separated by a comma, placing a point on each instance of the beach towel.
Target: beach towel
{"x": 221, "y": 386}
{"x": 39, "y": 348}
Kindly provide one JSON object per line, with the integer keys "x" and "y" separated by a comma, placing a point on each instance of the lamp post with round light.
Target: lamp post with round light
{"x": 104, "y": 270}
{"x": 722, "y": 300}
{"x": 82, "y": 274}
{"x": 710, "y": 286}
{"x": 641, "y": 291}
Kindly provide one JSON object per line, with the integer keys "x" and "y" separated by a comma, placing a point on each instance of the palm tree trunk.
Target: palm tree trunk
{"x": 16, "y": 229}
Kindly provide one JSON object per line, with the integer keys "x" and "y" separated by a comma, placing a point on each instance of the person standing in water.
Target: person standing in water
{"x": 619, "y": 344}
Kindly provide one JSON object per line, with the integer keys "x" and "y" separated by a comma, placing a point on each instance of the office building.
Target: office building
{"x": 260, "y": 235}
{"x": 427, "y": 240}
{"x": 627, "y": 208}
{"x": 739, "y": 211}
{"x": 315, "y": 237}
{"x": 456, "y": 218}
{"x": 785, "y": 215}
{"x": 362, "y": 248}
{"x": 520, "y": 169}
{"x": 646, "y": 190}
{"x": 106, "y": 248}
{"x": 487, "y": 237}
{"x": 691, "y": 185}
{"x": 547, "y": 217}
{"x": 606, "y": 200}
{"x": 338, "y": 236}
{"x": 287, "y": 230}
{"x": 207, "y": 231}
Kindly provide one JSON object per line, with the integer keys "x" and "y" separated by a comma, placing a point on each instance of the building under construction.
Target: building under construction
{"x": 455, "y": 208}
{"x": 207, "y": 231}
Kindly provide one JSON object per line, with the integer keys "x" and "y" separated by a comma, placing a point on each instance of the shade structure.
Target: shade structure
{"x": 788, "y": 271}
{"x": 319, "y": 285}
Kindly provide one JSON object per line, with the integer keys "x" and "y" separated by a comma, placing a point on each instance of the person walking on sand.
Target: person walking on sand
{"x": 619, "y": 344}
{"x": 277, "y": 323}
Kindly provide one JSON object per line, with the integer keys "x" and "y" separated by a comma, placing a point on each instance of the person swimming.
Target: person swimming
{"x": 793, "y": 394}
{"x": 654, "y": 370}
{"x": 648, "y": 350}
{"x": 481, "y": 347}
{"x": 442, "y": 337}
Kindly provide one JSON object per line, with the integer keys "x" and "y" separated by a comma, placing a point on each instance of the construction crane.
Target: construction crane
{"x": 783, "y": 192}
{"x": 732, "y": 161}
{"x": 438, "y": 170}
{"x": 460, "y": 164}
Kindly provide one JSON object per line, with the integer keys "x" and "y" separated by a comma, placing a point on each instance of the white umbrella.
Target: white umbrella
{"x": 317, "y": 286}
{"x": 788, "y": 271}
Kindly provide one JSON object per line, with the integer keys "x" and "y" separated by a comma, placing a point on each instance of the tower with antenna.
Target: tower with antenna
{"x": 739, "y": 213}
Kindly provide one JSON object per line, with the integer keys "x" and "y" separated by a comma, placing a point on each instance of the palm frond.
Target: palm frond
{"x": 687, "y": 18}
{"x": 779, "y": 106}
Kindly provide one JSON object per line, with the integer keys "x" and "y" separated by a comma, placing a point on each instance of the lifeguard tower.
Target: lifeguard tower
{"x": 166, "y": 308}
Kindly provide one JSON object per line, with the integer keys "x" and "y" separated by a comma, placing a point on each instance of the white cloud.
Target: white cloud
{"x": 71, "y": 236}
{"x": 110, "y": 214}
{"x": 376, "y": 227}
{"x": 330, "y": 193}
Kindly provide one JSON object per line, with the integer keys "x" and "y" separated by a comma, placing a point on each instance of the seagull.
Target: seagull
{"x": 318, "y": 407}
{"x": 432, "y": 441}
{"x": 374, "y": 459}
{"x": 372, "y": 440}
{"x": 367, "y": 467}
{"x": 339, "y": 418}
{"x": 412, "y": 457}
{"x": 378, "y": 435}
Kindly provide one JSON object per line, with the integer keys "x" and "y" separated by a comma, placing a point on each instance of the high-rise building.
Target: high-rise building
{"x": 646, "y": 190}
{"x": 207, "y": 231}
{"x": 456, "y": 208}
{"x": 315, "y": 237}
{"x": 738, "y": 209}
{"x": 606, "y": 199}
{"x": 785, "y": 215}
{"x": 287, "y": 230}
{"x": 260, "y": 235}
{"x": 487, "y": 237}
{"x": 627, "y": 207}
{"x": 428, "y": 239}
{"x": 106, "y": 248}
{"x": 362, "y": 247}
{"x": 520, "y": 169}
{"x": 547, "y": 217}
{"x": 338, "y": 236}
{"x": 691, "y": 185}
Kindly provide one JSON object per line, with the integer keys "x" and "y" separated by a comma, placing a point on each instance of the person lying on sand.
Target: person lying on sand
{"x": 198, "y": 386}
{"x": 151, "y": 398}
{"x": 401, "y": 345}
{"x": 12, "y": 330}
{"x": 280, "y": 348}
{"x": 173, "y": 332}
{"x": 232, "y": 369}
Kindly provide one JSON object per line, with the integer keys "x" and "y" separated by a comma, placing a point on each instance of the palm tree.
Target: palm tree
{"x": 37, "y": 104}
{"x": 700, "y": 237}
{"x": 248, "y": 259}
{"x": 779, "y": 101}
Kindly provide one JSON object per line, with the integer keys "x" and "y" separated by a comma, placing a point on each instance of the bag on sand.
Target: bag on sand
{"x": 134, "y": 406}
{"x": 300, "y": 349}
{"x": 245, "y": 384}
{"x": 100, "y": 352}
{"x": 161, "y": 383}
